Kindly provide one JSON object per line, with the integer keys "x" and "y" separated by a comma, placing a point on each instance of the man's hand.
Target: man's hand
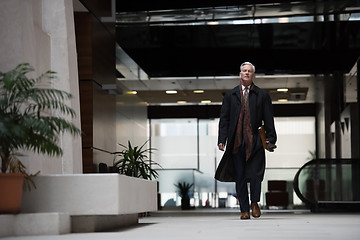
{"x": 221, "y": 146}
{"x": 270, "y": 146}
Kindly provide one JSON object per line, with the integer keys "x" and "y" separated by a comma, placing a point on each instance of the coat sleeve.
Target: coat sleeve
{"x": 269, "y": 120}
{"x": 224, "y": 120}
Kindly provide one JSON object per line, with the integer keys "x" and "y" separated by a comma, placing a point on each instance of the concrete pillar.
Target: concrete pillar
{"x": 42, "y": 34}
{"x": 58, "y": 17}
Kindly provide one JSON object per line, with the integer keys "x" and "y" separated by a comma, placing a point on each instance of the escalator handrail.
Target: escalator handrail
{"x": 316, "y": 162}
{"x": 296, "y": 183}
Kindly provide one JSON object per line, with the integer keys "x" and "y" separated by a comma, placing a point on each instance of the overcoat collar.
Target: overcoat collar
{"x": 236, "y": 91}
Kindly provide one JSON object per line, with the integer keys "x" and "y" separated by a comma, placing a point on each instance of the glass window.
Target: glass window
{"x": 176, "y": 141}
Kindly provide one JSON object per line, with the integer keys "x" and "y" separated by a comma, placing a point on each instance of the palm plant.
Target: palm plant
{"x": 183, "y": 190}
{"x": 134, "y": 162}
{"x": 28, "y": 117}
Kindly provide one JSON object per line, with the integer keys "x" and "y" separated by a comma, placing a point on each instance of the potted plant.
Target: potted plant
{"x": 30, "y": 119}
{"x": 134, "y": 162}
{"x": 183, "y": 190}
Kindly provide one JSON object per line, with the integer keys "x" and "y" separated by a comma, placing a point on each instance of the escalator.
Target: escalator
{"x": 329, "y": 185}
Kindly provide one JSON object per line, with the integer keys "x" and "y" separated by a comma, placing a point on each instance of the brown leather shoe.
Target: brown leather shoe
{"x": 245, "y": 215}
{"x": 255, "y": 210}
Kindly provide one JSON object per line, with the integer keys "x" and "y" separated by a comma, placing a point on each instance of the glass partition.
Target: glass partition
{"x": 168, "y": 178}
{"x": 187, "y": 151}
{"x": 176, "y": 141}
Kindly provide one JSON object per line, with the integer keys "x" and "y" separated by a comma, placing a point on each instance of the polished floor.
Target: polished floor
{"x": 225, "y": 224}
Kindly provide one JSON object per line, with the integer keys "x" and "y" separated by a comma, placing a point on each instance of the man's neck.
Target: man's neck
{"x": 244, "y": 84}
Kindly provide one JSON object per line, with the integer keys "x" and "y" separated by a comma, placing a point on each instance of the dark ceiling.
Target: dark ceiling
{"x": 147, "y": 5}
{"x": 176, "y": 46}
{"x": 301, "y": 48}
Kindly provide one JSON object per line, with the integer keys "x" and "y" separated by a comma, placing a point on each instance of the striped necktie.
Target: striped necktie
{"x": 246, "y": 97}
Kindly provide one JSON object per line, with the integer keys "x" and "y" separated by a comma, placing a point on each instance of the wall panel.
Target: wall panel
{"x": 96, "y": 61}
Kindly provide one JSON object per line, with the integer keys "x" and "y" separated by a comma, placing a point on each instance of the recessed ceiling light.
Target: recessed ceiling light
{"x": 198, "y": 91}
{"x": 282, "y": 100}
{"x": 181, "y": 101}
{"x": 171, "y": 92}
{"x": 205, "y": 101}
{"x": 132, "y": 92}
{"x": 213, "y": 23}
{"x": 283, "y": 20}
{"x": 282, "y": 89}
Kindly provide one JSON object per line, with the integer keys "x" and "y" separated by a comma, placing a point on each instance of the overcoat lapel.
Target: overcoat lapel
{"x": 252, "y": 102}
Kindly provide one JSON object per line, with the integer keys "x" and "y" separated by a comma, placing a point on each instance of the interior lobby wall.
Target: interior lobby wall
{"x": 96, "y": 60}
{"x": 131, "y": 121}
{"x": 107, "y": 119}
{"x": 42, "y": 34}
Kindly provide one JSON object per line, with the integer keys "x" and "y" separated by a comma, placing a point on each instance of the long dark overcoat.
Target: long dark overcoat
{"x": 261, "y": 112}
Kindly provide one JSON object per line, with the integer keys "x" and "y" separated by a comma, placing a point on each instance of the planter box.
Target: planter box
{"x": 91, "y": 194}
{"x": 94, "y": 201}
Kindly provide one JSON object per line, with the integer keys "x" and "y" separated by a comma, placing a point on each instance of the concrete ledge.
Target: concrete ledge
{"x": 34, "y": 224}
{"x": 91, "y": 194}
{"x": 93, "y": 202}
{"x": 98, "y": 223}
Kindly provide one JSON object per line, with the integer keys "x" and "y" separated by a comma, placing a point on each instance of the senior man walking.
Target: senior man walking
{"x": 244, "y": 110}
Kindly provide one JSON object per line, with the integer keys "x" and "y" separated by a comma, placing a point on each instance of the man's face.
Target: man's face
{"x": 247, "y": 74}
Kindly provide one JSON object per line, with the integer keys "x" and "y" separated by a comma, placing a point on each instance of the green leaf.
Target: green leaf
{"x": 27, "y": 115}
{"x": 133, "y": 161}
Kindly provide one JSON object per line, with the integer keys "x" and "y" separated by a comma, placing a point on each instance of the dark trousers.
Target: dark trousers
{"x": 241, "y": 182}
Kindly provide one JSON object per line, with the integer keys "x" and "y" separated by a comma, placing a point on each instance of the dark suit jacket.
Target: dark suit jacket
{"x": 260, "y": 112}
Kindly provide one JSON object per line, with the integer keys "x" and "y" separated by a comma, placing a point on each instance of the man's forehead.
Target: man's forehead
{"x": 247, "y": 66}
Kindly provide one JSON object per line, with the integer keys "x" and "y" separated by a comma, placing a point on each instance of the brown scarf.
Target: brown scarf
{"x": 244, "y": 122}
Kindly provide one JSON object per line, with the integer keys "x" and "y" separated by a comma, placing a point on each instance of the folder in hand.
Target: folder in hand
{"x": 263, "y": 135}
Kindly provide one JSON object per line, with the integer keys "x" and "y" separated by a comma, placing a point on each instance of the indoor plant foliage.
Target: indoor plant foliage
{"x": 134, "y": 162}
{"x": 30, "y": 117}
{"x": 183, "y": 190}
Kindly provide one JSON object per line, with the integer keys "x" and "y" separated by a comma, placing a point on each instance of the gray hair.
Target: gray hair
{"x": 246, "y": 63}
